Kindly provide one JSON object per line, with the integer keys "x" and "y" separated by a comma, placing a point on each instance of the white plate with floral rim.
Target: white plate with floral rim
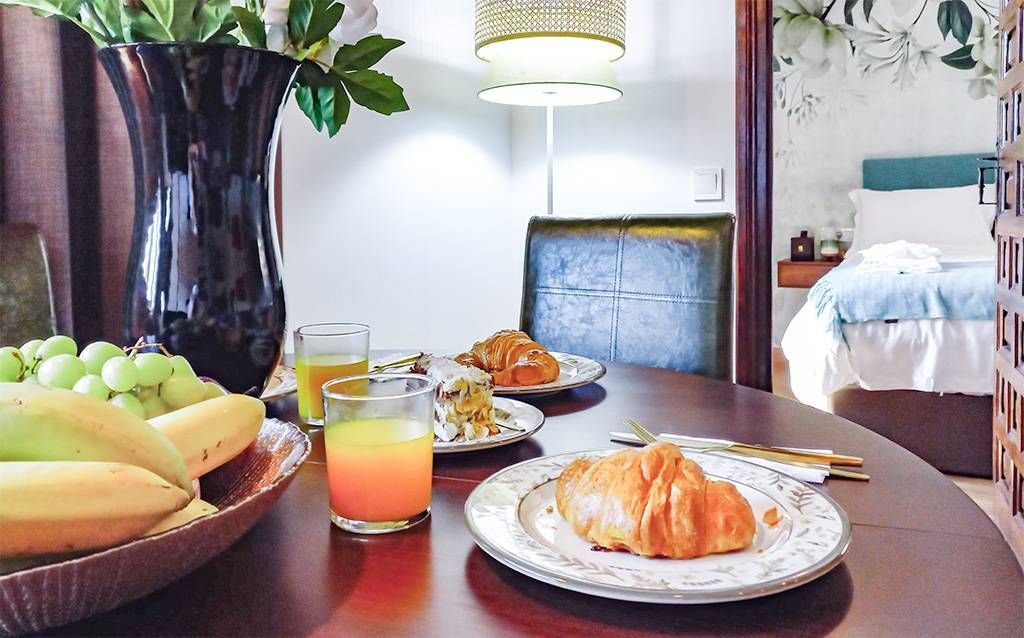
{"x": 574, "y": 371}
{"x": 282, "y": 383}
{"x": 516, "y": 420}
{"x": 512, "y": 516}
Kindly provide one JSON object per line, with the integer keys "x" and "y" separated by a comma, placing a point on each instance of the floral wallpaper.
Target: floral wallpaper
{"x": 856, "y": 79}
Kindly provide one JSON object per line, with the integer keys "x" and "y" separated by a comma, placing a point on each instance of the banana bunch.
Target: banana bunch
{"x": 80, "y": 474}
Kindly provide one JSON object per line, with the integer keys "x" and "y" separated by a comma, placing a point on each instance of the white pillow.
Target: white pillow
{"x": 949, "y": 219}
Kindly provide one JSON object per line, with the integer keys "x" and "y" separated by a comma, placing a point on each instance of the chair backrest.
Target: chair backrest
{"x": 653, "y": 290}
{"x": 26, "y": 296}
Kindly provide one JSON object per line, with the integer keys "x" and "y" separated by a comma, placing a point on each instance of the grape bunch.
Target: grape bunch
{"x": 148, "y": 384}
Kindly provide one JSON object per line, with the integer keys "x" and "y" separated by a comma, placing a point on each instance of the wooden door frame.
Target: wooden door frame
{"x": 753, "y": 345}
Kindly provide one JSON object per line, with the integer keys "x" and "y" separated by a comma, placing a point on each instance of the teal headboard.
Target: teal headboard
{"x": 941, "y": 171}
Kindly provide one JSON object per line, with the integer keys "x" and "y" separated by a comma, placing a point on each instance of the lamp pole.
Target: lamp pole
{"x": 551, "y": 158}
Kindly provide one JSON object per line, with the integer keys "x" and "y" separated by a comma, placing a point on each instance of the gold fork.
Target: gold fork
{"x": 647, "y": 436}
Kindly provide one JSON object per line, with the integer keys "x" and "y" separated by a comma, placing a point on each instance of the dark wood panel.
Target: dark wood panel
{"x": 754, "y": 193}
{"x": 1007, "y": 459}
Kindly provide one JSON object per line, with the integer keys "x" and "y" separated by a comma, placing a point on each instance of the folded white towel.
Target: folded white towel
{"x": 900, "y": 257}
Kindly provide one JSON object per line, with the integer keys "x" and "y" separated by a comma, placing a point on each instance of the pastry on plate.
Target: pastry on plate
{"x": 464, "y": 404}
{"x": 513, "y": 359}
{"x": 653, "y": 502}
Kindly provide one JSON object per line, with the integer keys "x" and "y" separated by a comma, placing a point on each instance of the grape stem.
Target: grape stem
{"x": 141, "y": 344}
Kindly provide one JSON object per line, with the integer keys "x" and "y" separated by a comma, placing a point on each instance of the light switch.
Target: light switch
{"x": 707, "y": 185}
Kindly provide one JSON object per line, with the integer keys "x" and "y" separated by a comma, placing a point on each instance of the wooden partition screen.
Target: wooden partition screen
{"x": 1008, "y": 411}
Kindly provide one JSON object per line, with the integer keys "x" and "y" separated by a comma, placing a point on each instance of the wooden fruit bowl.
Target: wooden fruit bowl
{"x": 33, "y": 600}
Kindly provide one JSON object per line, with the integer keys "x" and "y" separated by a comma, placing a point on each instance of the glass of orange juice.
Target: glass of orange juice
{"x": 325, "y": 351}
{"x": 379, "y": 442}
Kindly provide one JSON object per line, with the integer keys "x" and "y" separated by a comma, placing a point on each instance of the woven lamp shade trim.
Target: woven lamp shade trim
{"x": 501, "y": 20}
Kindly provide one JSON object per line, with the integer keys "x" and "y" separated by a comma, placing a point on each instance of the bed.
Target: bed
{"x": 922, "y": 375}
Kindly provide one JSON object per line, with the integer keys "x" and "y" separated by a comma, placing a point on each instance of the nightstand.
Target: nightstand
{"x": 803, "y": 274}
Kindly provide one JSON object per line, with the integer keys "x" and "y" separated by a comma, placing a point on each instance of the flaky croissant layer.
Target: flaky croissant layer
{"x": 653, "y": 502}
{"x": 513, "y": 359}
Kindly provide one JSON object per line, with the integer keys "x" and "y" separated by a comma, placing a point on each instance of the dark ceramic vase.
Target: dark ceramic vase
{"x": 204, "y": 273}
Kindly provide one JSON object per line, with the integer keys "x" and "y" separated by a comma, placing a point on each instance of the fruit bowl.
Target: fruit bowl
{"x": 244, "y": 489}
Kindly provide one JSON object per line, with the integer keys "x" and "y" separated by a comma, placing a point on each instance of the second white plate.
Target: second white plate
{"x": 520, "y": 421}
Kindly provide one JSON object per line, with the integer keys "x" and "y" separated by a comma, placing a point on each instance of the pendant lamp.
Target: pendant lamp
{"x": 550, "y": 52}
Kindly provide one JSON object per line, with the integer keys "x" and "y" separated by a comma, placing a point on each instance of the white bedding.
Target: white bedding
{"x": 930, "y": 355}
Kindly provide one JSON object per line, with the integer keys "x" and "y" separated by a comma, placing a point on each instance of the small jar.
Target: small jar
{"x": 829, "y": 246}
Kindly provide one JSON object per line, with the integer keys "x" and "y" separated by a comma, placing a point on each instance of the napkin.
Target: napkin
{"x": 816, "y": 474}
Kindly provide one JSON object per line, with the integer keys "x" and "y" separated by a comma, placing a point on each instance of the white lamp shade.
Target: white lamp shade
{"x": 550, "y": 52}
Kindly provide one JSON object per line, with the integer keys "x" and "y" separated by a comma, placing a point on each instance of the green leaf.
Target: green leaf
{"x": 305, "y": 97}
{"x": 961, "y": 58}
{"x": 110, "y": 15}
{"x": 944, "y": 17}
{"x": 142, "y": 27}
{"x": 173, "y": 16}
{"x": 47, "y": 8}
{"x": 848, "y": 11}
{"x": 214, "y": 22}
{"x": 376, "y": 91}
{"x": 960, "y": 21}
{"x": 309, "y": 21}
{"x": 252, "y": 27}
{"x": 365, "y": 53}
{"x": 334, "y": 107}
{"x": 869, "y": 6}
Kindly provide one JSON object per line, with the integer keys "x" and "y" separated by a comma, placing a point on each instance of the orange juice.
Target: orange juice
{"x": 314, "y": 371}
{"x": 379, "y": 469}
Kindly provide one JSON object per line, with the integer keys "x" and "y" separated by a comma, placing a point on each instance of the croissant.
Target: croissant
{"x": 513, "y": 359}
{"x": 653, "y": 502}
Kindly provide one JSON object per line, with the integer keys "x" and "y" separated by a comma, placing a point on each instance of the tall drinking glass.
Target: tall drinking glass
{"x": 325, "y": 351}
{"x": 379, "y": 440}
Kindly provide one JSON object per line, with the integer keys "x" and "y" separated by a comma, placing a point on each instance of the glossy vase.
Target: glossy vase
{"x": 204, "y": 272}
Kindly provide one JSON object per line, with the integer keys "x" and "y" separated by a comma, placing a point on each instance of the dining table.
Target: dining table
{"x": 924, "y": 560}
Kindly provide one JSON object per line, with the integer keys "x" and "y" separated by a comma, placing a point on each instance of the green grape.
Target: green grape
{"x": 213, "y": 390}
{"x": 120, "y": 374}
{"x": 57, "y": 345}
{"x": 97, "y": 353}
{"x": 12, "y": 364}
{"x": 181, "y": 366}
{"x": 143, "y": 392}
{"x": 154, "y": 368}
{"x": 29, "y": 350}
{"x": 154, "y": 406}
{"x": 31, "y": 379}
{"x": 130, "y": 403}
{"x": 61, "y": 371}
{"x": 179, "y": 392}
{"x": 92, "y": 385}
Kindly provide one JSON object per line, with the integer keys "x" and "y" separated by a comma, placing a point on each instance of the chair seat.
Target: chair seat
{"x": 26, "y": 297}
{"x": 652, "y": 290}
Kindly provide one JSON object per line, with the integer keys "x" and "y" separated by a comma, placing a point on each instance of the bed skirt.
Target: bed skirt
{"x": 953, "y": 432}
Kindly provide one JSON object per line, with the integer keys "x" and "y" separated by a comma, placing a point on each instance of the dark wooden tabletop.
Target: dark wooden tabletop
{"x": 924, "y": 560}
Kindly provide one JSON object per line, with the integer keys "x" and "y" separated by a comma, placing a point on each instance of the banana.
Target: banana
{"x": 196, "y": 508}
{"x": 39, "y": 424}
{"x": 211, "y": 433}
{"x": 51, "y": 507}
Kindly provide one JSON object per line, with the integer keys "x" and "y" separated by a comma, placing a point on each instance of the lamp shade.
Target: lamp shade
{"x": 550, "y": 52}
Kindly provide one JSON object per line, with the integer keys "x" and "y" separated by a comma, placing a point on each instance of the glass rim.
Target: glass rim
{"x": 354, "y": 329}
{"x": 431, "y": 386}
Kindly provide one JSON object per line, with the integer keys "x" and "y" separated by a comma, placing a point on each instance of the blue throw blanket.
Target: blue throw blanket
{"x": 963, "y": 290}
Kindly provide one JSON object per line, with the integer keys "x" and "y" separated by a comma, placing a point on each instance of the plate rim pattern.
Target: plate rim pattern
{"x": 520, "y": 562}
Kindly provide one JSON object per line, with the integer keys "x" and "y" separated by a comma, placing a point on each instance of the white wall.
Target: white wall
{"x": 415, "y": 223}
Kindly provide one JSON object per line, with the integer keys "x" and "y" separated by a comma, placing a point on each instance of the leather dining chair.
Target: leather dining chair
{"x": 654, "y": 290}
{"x": 26, "y": 295}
